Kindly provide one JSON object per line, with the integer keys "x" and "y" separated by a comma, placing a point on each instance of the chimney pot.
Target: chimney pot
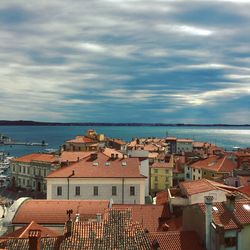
{"x": 34, "y": 239}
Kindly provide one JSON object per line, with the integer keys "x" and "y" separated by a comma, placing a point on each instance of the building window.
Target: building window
{"x": 23, "y": 169}
{"x": 199, "y": 171}
{"x": 155, "y": 171}
{"x": 44, "y": 173}
{"x": 28, "y": 183}
{"x": 187, "y": 176}
{"x": 28, "y": 171}
{"x": 34, "y": 171}
{"x": 14, "y": 168}
{"x": 205, "y": 173}
{"x": 194, "y": 177}
{"x": 230, "y": 242}
{"x": 34, "y": 184}
{"x": 114, "y": 190}
{"x": 95, "y": 191}
{"x": 44, "y": 187}
{"x": 39, "y": 172}
{"x": 166, "y": 171}
{"x": 132, "y": 191}
{"x": 77, "y": 191}
{"x": 156, "y": 186}
{"x": 156, "y": 178}
{"x": 59, "y": 191}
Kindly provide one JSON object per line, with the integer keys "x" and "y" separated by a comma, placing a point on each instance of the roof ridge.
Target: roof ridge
{"x": 26, "y": 229}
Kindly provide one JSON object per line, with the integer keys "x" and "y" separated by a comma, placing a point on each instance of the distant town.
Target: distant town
{"x": 36, "y": 123}
{"x": 98, "y": 192}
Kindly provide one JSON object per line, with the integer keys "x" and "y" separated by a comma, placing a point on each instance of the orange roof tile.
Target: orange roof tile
{"x": 203, "y": 185}
{"x": 245, "y": 190}
{"x": 81, "y": 139}
{"x": 73, "y": 156}
{"x": 177, "y": 240}
{"x": 54, "y": 211}
{"x": 109, "y": 151}
{"x": 101, "y": 167}
{"x": 215, "y": 163}
{"x": 162, "y": 197}
{"x": 147, "y": 215}
{"x": 23, "y": 232}
{"x": 37, "y": 157}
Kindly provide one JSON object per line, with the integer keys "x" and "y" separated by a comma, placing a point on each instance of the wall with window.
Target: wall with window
{"x": 132, "y": 191}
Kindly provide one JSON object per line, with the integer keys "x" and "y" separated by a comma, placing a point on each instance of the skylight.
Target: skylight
{"x": 107, "y": 163}
{"x": 215, "y": 209}
{"x": 124, "y": 163}
{"x": 95, "y": 164}
{"x": 247, "y": 207}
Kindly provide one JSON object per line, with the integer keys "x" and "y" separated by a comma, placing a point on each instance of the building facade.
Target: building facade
{"x": 29, "y": 171}
{"x": 99, "y": 177}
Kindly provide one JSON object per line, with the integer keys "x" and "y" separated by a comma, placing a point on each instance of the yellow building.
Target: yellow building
{"x": 161, "y": 176}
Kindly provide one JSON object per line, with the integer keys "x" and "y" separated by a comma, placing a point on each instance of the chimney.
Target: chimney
{"x": 230, "y": 202}
{"x": 98, "y": 217}
{"x": 34, "y": 239}
{"x": 93, "y": 156}
{"x": 155, "y": 245}
{"x": 112, "y": 156}
{"x": 78, "y": 159}
{"x": 208, "y": 218}
{"x": 116, "y": 156}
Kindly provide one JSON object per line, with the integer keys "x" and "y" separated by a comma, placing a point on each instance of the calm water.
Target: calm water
{"x": 226, "y": 137}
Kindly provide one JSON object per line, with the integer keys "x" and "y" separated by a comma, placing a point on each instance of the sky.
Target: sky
{"x": 125, "y": 61}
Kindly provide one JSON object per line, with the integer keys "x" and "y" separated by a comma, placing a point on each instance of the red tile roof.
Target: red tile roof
{"x": 101, "y": 167}
{"x": 109, "y": 151}
{"x": 177, "y": 240}
{"x": 81, "y": 139}
{"x": 244, "y": 180}
{"x": 162, "y": 197}
{"x": 215, "y": 163}
{"x": 54, "y": 211}
{"x": 37, "y": 157}
{"x": 203, "y": 185}
{"x": 245, "y": 190}
{"x": 230, "y": 220}
{"x": 147, "y": 215}
{"x": 23, "y": 232}
{"x": 73, "y": 156}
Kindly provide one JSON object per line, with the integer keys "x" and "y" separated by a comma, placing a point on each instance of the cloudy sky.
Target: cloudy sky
{"x": 125, "y": 61}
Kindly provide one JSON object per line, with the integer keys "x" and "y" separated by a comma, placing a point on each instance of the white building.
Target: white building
{"x": 99, "y": 177}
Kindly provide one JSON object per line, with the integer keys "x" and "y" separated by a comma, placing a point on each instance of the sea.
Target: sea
{"x": 227, "y": 137}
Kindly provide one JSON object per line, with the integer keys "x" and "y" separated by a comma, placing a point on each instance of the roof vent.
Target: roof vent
{"x": 247, "y": 207}
{"x": 95, "y": 164}
{"x": 124, "y": 163}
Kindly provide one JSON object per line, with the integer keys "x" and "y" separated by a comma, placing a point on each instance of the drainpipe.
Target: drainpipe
{"x": 208, "y": 219}
{"x": 123, "y": 190}
{"x": 73, "y": 173}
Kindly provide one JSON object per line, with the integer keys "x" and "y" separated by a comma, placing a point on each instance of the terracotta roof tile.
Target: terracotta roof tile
{"x": 161, "y": 165}
{"x": 24, "y": 231}
{"x": 177, "y": 240}
{"x": 148, "y": 215}
{"x": 230, "y": 220}
{"x": 37, "y": 157}
{"x": 100, "y": 167}
{"x": 73, "y": 156}
{"x": 245, "y": 190}
{"x": 81, "y": 139}
{"x": 215, "y": 163}
{"x": 203, "y": 185}
{"x": 54, "y": 211}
